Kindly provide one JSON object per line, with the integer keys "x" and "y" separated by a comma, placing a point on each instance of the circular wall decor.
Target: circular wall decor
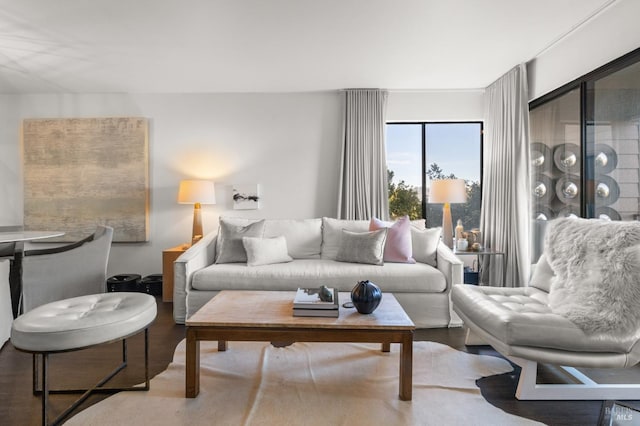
{"x": 604, "y": 158}
{"x": 607, "y": 213}
{"x": 542, "y": 188}
{"x": 543, "y": 213}
{"x": 566, "y": 157}
{"x": 569, "y": 211}
{"x": 568, "y": 189}
{"x": 541, "y": 158}
{"x": 607, "y": 190}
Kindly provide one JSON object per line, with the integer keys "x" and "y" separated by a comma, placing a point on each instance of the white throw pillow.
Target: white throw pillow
{"x": 266, "y": 251}
{"x": 363, "y": 247}
{"x": 424, "y": 244}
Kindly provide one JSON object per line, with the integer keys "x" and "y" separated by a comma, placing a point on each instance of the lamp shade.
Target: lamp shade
{"x": 448, "y": 191}
{"x": 196, "y": 191}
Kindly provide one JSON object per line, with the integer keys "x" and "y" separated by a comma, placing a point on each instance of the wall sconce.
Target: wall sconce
{"x": 196, "y": 192}
{"x": 447, "y": 191}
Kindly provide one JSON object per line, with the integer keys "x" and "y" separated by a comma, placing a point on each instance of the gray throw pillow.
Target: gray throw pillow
{"x": 362, "y": 247}
{"x": 230, "y": 248}
{"x": 266, "y": 251}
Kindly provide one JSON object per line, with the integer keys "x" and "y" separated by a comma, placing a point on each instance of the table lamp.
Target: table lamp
{"x": 447, "y": 191}
{"x": 196, "y": 192}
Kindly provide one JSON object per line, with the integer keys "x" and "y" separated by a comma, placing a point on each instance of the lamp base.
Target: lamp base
{"x": 197, "y": 233}
{"x": 447, "y": 226}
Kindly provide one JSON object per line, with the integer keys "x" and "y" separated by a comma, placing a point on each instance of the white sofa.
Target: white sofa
{"x": 422, "y": 289}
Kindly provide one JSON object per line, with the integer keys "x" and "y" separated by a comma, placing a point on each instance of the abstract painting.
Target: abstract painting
{"x": 246, "y": 197}
{"x": 82, "y": 172}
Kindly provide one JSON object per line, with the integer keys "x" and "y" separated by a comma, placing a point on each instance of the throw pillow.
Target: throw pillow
{"x": 597, "y": 269}
{"x": 332, "y": 234}
{"x": 397, "y": 248}
{"x": 230, "y": 248}
{"x": 266, "y": 251}
{"x": 425, "y": 244}
{"x": 362, "y": 247}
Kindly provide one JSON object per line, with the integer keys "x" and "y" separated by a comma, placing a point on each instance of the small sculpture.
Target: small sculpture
{"x": 366, "y": 296}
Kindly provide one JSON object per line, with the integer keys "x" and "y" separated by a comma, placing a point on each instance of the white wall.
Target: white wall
{"x": 437, "y": 105}
{"x": 288, "y": 143}
{"x": 609, "y": 35}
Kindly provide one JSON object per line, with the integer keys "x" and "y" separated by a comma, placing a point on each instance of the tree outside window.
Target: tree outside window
{"x": 451, "y": 151}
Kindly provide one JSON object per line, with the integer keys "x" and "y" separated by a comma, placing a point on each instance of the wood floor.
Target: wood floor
{"x": 18, "y": 406}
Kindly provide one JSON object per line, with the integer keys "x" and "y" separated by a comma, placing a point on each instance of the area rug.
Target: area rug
{"x": 311, "y": 384}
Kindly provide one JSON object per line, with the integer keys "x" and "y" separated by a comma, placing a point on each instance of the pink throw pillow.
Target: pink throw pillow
{"x": 398, "y": 245}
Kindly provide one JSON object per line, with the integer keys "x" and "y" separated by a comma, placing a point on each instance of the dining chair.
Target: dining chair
{"x": 72, "y": 270}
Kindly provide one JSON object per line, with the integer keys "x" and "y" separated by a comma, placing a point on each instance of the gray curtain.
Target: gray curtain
{"x": 363, "y": 173}
{"x": 506, "y": 183}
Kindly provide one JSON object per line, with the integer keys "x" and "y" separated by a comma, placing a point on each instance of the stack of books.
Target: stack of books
{"x": 316, "y": 302}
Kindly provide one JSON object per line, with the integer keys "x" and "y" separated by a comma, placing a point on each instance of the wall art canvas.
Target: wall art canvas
{"x": 81, "y": 172}
{"x": 246, "y": 197}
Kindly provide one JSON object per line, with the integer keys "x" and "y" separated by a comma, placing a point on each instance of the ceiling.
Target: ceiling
{"x": 201, "y": 46}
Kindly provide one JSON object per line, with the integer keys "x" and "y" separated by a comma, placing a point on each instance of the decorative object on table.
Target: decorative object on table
{"x": 447, "y": 191}
{"x": 476, "y": 247}
{"x": 366, "y": 296}
{"x": 246, "y": 197}
{"x": 316, "y": 302}
{"x": 461, "y": 238}
{"x": 83, "y": 169}
{"x": 473, "y": 236}
{"x": 196, "y": 192}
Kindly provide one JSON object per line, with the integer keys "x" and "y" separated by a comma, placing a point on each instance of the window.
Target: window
{"x": 420, "y": 152}
{"x": 585, "y": 148}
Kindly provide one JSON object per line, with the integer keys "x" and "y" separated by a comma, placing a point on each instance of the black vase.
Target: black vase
{"x": 366, "y": 297}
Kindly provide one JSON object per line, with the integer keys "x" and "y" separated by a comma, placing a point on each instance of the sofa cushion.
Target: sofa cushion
{"x": 266, "y": 251}
{"x": 230, "y": 248}
{"x": 304, "y": 236}
{"x": 332, "y": 234}
{"x": 362, "y": 247}
{"x": 397, "y": 247}
{"x": 391, "y": 277}
{"x": 424, "y": 244}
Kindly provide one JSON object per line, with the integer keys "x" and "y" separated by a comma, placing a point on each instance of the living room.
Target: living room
{"x": 266, "y": 118}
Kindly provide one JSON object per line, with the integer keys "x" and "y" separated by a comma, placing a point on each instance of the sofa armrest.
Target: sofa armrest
{"x": 198, "y": 256}
{"x": 453, "y": 269}
{"x": 450, "y": 265}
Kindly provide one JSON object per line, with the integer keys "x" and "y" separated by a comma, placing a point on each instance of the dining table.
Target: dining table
{"x": 18, "y": 238}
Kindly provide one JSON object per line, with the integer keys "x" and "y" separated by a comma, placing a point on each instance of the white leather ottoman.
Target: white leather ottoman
{"x": 78, "y": 323}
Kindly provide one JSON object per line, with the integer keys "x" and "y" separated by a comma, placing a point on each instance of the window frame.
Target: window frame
{"x": 423, "y": 132}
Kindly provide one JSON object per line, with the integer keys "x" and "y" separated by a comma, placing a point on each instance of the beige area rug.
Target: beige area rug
{"x": 312, "y": 384}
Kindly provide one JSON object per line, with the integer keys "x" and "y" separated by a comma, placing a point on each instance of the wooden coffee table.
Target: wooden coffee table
{"x": 266, "y": 316}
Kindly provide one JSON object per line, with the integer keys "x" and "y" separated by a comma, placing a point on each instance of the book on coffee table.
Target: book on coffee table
{"x": 332, "y": 313}
{"x": 310, "y": 299}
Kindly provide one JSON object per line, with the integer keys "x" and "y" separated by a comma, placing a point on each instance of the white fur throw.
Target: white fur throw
{"x": 597, "y": 274}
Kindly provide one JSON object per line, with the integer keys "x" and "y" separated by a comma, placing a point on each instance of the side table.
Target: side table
{"x": 486, "y": 252}
{"x": 168, "y": 257}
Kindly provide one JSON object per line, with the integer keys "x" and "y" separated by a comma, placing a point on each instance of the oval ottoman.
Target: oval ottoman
{"x": 79, "y": 323}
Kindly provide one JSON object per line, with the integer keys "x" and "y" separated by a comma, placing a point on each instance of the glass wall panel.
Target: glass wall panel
{"x": 613, "y": 115}
{"x": 555, "y": 162}
{"x": 585, "y": 148}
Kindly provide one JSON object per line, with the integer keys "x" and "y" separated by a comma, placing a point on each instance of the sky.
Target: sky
{"x": 455, "y": 147}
